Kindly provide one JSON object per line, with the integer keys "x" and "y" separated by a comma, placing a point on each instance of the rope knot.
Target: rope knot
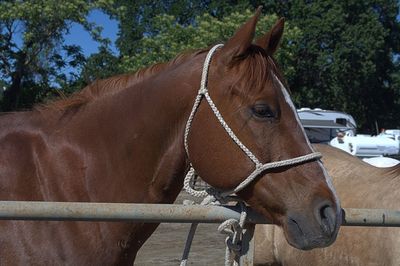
{"x": 233, "y": 228}
{"x": 202, "y": 91}
{"x": 236, "y": 248}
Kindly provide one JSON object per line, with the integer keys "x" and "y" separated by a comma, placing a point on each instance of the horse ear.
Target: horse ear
{"x": 270, "y": 41}
{"x": 241, "y": 40}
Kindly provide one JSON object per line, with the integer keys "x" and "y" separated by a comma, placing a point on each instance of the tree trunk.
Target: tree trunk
{"x": 12, "y": 94}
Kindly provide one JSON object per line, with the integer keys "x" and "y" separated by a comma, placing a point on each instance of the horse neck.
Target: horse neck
{"x": 141, "y": 130}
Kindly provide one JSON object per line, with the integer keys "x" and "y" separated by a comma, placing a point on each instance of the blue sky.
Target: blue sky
{"x": 80, "y": 37}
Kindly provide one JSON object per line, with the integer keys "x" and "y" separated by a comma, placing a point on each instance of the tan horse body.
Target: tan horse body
{"x": 359, "y": 185}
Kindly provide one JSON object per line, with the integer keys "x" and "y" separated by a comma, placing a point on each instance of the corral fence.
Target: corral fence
{"x": 172, "y": 213}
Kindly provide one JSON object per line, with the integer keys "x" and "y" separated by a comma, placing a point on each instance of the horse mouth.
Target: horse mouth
{"x": 305, "y": 235}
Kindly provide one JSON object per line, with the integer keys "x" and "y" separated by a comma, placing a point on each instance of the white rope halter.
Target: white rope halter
{"x": 212, "y": 193}
{"x": 259, "y": 167}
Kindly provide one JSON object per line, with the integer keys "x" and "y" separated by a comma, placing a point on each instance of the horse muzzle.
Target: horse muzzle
{"x": 317, "y": 230}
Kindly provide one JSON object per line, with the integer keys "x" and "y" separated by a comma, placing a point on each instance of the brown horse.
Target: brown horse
{"x": 359, "y": 185}
{"x": 122, "y": 140}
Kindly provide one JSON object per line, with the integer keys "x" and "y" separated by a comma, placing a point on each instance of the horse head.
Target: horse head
{"x": 247, "y": 89}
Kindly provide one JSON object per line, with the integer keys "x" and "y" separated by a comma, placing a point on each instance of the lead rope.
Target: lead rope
{"x": 232, "y": 227}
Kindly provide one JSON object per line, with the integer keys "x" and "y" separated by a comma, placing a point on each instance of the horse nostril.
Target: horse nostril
{"x": 328, "y": 219}
{"x": 322, "y": 212}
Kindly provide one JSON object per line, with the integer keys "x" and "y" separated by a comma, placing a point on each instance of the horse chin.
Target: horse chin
{"x": 306, "y": 243}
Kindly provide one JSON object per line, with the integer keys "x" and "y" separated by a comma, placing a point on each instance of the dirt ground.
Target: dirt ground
{"x": 165, "y": 246}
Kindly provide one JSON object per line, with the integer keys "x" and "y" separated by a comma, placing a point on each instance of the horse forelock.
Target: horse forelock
{"x": 112, "y": 85}
{"x": 259, "y": 68}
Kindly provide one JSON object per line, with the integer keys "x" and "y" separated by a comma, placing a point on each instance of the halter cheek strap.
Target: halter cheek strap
{"x": 259, "y": 167}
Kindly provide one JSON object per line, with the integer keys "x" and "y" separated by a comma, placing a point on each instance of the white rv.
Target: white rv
{"x": 322, "y": 126}
{"x": 367, "y": 146}
{"x": 339, "y": 130}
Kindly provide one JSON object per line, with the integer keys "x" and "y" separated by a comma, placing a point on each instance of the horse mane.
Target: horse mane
{"x": 112, "y": 85}
{"x": 256, "y": 62}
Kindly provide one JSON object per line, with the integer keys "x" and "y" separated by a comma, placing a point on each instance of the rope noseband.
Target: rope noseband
{"x": 213, "y": 194}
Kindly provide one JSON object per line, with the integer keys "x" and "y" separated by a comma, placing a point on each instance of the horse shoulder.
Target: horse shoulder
{"x": 34, "y": 162}
{"x": 17, "y": 162}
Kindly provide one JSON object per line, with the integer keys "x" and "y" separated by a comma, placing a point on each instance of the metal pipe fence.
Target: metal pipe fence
{"x": 172, "y": 213}
{"x": 166, "y": 213}
{"x": 133, "y": 212}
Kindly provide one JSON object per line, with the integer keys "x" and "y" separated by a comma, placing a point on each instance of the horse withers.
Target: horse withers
{"x": 122, "y": 140}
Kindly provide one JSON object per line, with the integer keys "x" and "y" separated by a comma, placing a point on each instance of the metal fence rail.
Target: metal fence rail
{"x": 171, "y": 213}
{"x": 371, "y": 217}
{"x": 134, "y": 212}
{"x": 166, "y": 213}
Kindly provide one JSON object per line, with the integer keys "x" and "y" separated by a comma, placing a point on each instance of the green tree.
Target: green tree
{"x": 345, "y": 57}
{"x": 139, "y": 18}
{"x": 32, "y": 53}
{"x": 100, "y": 65}
{"x": 172, "y": 38}
{"x": 339, "y": 55}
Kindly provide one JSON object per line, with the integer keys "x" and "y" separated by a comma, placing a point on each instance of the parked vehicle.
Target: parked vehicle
{"x": 322, "y": 126}
{"x": 338, "y": 129}
{"x": 367, "y": 146}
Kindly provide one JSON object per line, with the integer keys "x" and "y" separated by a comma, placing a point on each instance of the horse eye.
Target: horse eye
{"x": 262, "y": 111}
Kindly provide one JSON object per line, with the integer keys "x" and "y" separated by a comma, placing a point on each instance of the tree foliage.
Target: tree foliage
{"x": 33, "y": 55}
{"x": 140, "y": 18}
{"x": 172, "y": 38}
{"x": 345, "y": 57}
{"x": 341, "y": 55}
